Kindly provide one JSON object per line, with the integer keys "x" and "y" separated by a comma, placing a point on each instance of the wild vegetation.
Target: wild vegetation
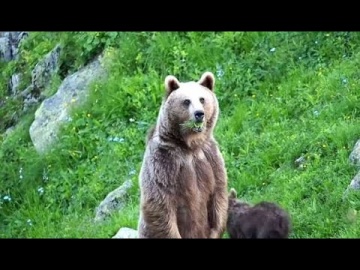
{"x": 282, "y": 95}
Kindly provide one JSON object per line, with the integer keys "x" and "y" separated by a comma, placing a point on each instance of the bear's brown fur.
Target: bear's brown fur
{"x": 150, "y": 133}
{"x": 183, "y": 180}
{"x": 263, "y": 220}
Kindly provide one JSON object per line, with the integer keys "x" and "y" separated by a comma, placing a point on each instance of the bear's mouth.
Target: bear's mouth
{"x": 195, "y": 126}
{"x": 197, "y": 129}
{"x": 198, "y": 126}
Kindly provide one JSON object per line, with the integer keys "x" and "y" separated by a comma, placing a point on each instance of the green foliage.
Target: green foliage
{"x": 282, "y": 95}
{"x": 81, "y": 47}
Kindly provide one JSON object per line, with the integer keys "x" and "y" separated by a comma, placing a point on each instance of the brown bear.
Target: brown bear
{"x": 263, "y": 220}
{"x": 183, "y": 180}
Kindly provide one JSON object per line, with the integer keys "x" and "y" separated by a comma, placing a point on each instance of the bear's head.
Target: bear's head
{"x": 189, "y": 108}
{"x": 235, "y": 204}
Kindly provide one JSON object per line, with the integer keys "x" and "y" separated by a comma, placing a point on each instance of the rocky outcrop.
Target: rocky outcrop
{"x": 44, "y": 69}
{"x": 9, "y": 44}
{"x": 126, "y": 233}
{"x": 114, "y": 201}
{"x": 55, "y": 110}
{"x": 355, "y": 154}
{"x": 354, "y": 159}
{"x": 14, "y": 83}
{"x": 355, "y": 182}
{"x": 41, "y": 78}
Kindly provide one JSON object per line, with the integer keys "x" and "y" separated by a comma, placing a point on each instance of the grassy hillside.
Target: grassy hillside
{"x": 282, "y": 95}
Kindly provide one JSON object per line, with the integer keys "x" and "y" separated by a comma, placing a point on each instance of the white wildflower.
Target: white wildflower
{"x": 7, "y": 198}
{"x": 45, "y": 177}
{"x": 40, "y": 190}
{"x": 116, "y": 139}
{"x": 219, "y": 71}
{"x": 29, "y": 222}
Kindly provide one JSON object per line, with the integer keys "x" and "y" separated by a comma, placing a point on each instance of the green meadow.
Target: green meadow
{"x": 282, "y": 96}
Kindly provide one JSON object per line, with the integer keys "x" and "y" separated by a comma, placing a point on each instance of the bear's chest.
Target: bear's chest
{"x": 196, "y": 178}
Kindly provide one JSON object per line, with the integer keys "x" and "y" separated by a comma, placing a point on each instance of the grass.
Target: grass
{"x": 282, "y": 95}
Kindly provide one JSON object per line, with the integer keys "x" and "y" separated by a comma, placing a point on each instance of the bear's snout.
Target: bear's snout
{"x": 199, "y": 116}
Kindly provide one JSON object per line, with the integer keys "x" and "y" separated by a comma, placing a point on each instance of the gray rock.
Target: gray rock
{"x": 5, "y": 49}
{"x": 355, "y": 182}
{"x": 41, "y": 77}
{"x": 27, "y": 92}
{"x": 9, "y": 44}
{"x": 114, "y": 201}
{"x": 55, "y": 110}
{"x": 355, "y": 154}
{"x": 29, "y": 98}
{"x": 30, "y": 101}
{"x": 14, "y": 84}
{"x": 126, "y": 233}
{"x": 44, "y": 69}
{"x": 9, "y": 130}
{"x": 300, "y": 162}
{"x": 353, "y": 186}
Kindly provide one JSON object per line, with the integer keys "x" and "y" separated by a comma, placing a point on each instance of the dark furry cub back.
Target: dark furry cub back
{"x": 263, "y": 220}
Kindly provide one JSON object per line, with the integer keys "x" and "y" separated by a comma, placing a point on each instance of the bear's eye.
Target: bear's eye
{"x": 202, "y": 100}
{"x": 186, "y": 102}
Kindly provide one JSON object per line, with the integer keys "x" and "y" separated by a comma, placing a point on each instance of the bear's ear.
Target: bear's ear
{"x": 207, "y": 80}
{"x": 171, "y": 84}
{"x": 233, "y": 193}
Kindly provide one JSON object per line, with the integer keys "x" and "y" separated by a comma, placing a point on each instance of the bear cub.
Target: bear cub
{"x": 262, "y": 220}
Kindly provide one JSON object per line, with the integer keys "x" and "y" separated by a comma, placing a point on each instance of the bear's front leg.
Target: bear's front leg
{"x": 159, "y": 217}
{"x": 219, "y": 200}
{"x": 158, "y": 177}
{"x": 218, "y": 213}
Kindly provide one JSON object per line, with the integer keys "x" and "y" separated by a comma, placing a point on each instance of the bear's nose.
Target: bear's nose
{"x": 199, "y": 116}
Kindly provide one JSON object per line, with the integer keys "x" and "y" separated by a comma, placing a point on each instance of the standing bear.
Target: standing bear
{"x": 183, "y": 180}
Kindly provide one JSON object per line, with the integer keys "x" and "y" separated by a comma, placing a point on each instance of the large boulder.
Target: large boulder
{"x": 55, "y": 110}
{"x": 354, "y": 159}
{"x": 114, "y": 201}
{"x": 355, "y": 154}
{"x": 355, "y": 182}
